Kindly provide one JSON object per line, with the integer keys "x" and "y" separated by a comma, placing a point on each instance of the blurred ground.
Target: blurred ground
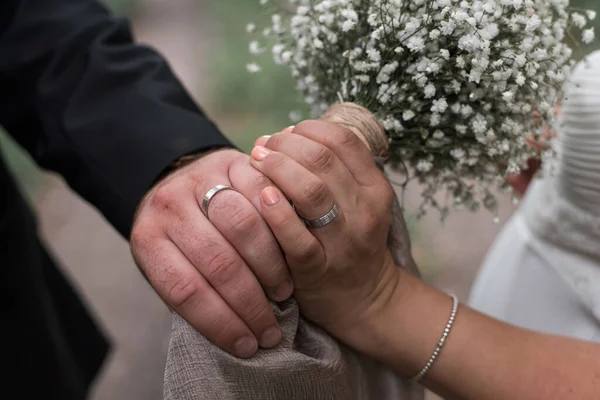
{"x": 205, "y": 43}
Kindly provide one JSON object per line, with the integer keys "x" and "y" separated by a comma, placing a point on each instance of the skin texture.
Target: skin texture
{"x": 346, "y": 281}
{"x": 210, "y": 268}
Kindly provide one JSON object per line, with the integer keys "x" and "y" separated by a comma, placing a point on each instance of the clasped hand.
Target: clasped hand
{"x": 211, "y": 268}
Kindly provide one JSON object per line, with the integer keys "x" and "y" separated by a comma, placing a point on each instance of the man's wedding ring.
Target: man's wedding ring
{"x": 211, "y": 193}
{"x": 325, "y": 219}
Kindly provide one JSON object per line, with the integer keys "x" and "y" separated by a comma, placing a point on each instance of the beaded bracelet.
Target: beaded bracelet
{"x": 441, "y": 343}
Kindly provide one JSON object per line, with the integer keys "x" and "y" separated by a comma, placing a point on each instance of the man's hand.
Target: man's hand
{"x": 210, "y": 268}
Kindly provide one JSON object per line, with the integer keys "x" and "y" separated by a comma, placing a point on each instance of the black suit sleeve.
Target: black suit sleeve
{"x": 88, "y": 103}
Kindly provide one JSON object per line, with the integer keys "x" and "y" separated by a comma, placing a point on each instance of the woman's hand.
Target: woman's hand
{"x": 347, "y": 282}
{"x": 344, "y": 271}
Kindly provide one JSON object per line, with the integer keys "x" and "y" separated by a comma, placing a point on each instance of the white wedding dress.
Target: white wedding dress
{"x": 543, "y": 270}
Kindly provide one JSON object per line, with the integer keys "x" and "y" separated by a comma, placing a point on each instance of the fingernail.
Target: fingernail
{"x": 270, "y": 196}
{"x": 259, "y": 153}
{"x": 245, "y": 347}
{"x": 284, "y": 291}
{"x": 289, "y": 129}
{"x": 271, "y": 337}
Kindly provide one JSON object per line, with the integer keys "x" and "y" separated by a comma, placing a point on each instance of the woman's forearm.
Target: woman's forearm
{"x": 482, "y": 358}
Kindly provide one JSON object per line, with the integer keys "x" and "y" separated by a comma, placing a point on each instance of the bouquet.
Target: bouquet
{"x": 458, "y": 86}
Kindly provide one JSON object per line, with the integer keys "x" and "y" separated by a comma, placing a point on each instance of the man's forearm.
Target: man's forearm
{"x": 87, "y": 102}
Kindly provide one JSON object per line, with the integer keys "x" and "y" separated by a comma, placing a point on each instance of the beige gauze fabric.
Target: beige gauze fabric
{"x": 309, "y": 364}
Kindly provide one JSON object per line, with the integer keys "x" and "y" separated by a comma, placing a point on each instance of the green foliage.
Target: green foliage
{"x": 27, "y": 173}
{"x": 246, "y": 105}
{"x": 121, "y": 7}
{"x": 589, "y": 5}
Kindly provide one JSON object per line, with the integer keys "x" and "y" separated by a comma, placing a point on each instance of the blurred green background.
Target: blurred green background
{"x": 245, "y": 106}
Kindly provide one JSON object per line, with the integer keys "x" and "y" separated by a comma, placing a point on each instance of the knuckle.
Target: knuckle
{"x": 389, "y": 202}
{"x": 244, "y": 220}
{"x": 163, "y": 198}
{"x": 225, "y": 330}
{"x": 275, "y": 142}
{"x": 304, "y": 126}
{"x": 196, "y": 177}
{"x": 221, "y": 269}
{"x": 274, "y": 160}
{"x": 316, "y": 192}
{"x": 371, "y": 222}
{"x": 182, "y": 292}
{"x": 308, "y": 250}
{"x": 236, "y": 219}
{"x": 310, "y": 126}
{"x": 388, "y": 197}
{"x": 260, "y": 181}
{"x": 384, "y": 195}
{"x": 321, "y": 159}
{"x": 275, "y": 271}
{"x": 374, "y": 220}
{"x": 280, "y": 219}
{"x": 346, "y": 138}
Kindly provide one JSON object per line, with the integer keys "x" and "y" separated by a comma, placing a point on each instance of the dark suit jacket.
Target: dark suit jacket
{"x": 109, "y": 116}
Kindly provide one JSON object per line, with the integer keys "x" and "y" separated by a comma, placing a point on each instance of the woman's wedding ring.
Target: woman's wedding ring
{"x": 211, "y": 194}
{"x": 325, "y": 219}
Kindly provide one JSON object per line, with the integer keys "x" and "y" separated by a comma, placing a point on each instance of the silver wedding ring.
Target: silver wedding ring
{"x": 325, "y": 219}
{"x": 211, "y": 194}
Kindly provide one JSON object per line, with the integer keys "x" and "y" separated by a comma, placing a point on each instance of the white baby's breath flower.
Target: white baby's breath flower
{"x": 578, "y": 20}
{"x": 374, "y": 55}
{"x": 455, "y": 83}
{"x": 429, "y": 91}
{"x": 591, "y": 14}
{"x": 533, "y": 23}
{"x": 508, "y": 96}
{"x": 588, "y": 35}
{"x": 466, "y": 110}
{"x": 458, "y": 153}
{"x": 408, "y": 115}
{"x": 520, "y": 60}
{"x": 439, "y": 105}
{"x": 424, "y": 166}
{"x": 351, "y": 18}
{"x": 302, "y": 10}
{"x": 438, "y": 134}
{"x": 250, "y": 28}
{"x": 348, "y": 25}
{"x": 295, "y": 116}
{"x": 517, "y": 4}
{"x": 255, "y": 48}
{"x": 253, "y": 68}
{"x": 416, "y": 44}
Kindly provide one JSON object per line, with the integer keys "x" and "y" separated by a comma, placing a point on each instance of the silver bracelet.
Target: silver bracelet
{"x": 441, "y": 343}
